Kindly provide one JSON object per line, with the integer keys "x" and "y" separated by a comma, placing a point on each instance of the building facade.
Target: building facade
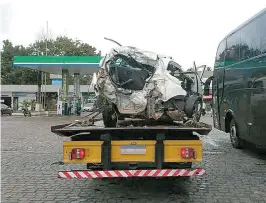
{"x": 15, "y": 95}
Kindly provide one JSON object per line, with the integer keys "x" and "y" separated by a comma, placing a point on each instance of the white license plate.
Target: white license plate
{"x": 132, "y": 149}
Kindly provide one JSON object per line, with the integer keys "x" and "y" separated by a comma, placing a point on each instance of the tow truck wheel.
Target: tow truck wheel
{"x": 236, "y": 141}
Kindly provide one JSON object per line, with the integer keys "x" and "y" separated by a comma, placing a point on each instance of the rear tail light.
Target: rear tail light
{"x": 77, "y": 153}
{"x": 188, "y": 153}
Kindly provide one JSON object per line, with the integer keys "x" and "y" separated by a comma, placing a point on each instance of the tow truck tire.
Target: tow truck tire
{"x": 236, "y": 141}
{"x": 108, "y": 121}
{"x": 193, "y": 107}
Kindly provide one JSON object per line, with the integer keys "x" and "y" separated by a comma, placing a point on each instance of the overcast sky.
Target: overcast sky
{"x": 186, "y": 30}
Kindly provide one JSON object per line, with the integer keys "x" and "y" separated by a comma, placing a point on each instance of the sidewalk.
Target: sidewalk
{"x": 47, "y": 114}
{"x": 34, "y": 113}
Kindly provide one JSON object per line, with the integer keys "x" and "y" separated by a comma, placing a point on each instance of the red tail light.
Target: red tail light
{"x": 188, "y": 153}
{"x": 77, "y": 153}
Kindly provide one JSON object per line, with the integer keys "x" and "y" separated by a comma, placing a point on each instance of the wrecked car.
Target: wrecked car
{"x": 135, "y": 83}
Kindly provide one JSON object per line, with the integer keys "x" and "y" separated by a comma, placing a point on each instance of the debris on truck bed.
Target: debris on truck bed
{"x": 87, "y": 125}
{"x": 132, "y": 125}
{"x": 143, "y": 84}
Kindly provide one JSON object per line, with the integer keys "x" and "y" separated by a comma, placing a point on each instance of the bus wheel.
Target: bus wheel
{"x": 234, "y": 136}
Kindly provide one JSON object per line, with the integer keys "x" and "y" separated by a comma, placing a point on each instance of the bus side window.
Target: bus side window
{"x": 263, "y": 34}
{"x": 220, "y": 54}
{"x": 233, "y": 48}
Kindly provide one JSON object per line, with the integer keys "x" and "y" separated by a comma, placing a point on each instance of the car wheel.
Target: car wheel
{"x": 109, "y": 117}
{"x": 236, "y": 141}
{"x": 193, "y": 107}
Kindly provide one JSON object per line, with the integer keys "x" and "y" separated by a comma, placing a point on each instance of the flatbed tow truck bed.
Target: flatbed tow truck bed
{"x": 127, "y": 151}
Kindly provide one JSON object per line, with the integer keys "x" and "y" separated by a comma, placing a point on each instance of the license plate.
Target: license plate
{"x": 132, "y": 149}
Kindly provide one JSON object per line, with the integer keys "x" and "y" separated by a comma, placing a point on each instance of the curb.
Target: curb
{"x": 32, "y": 114}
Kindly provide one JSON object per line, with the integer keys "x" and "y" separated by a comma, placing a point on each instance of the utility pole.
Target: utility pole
{"x": 46, "y": 53}
{"x": 39, "y": 79}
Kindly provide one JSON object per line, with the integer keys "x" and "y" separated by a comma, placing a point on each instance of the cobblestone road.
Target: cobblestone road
{"x": 29, "y": 150}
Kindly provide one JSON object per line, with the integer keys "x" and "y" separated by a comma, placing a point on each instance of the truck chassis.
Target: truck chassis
{"x": 158, "y": 137}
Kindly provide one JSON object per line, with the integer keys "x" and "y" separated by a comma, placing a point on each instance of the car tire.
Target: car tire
{"x": 236, "y": 141}
{"x": 108, "y": 121}
{"x": 193, "y": 107}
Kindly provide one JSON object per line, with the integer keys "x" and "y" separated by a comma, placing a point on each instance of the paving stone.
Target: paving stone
{"x": 29, "y": 149}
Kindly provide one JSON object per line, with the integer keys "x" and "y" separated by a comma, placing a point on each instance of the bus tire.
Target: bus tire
{"x": 236, "y": 141}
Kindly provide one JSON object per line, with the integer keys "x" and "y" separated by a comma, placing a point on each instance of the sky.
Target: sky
{"x": 188, "y": 30}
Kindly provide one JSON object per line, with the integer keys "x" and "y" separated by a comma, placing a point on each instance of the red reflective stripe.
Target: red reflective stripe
{"x": 186, "y": 173}
{"x": 98, "y": 174}
{"x": 87, "y": 174}
{"x": 131, "y": 173}
{"x": 177, "y": 172}
{"x": 156, "y": 173}
{"x": 107, "y": 173}
{"x": 147, "y": 173}
{"x": 67, "y": 175}
{"x": 166, "y": 172}
{"x": 118, "y": 173}
{"x": 128, "y": 173}
{"x": 77, "y": 174}
{"x": 137, "y": 172}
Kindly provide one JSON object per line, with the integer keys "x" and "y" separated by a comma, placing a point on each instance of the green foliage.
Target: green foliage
{"x": 25, "y": 104}
{"x": 60, "y": 46}
{"x": 15, "y": 76}
{"x": 28, "y": 103}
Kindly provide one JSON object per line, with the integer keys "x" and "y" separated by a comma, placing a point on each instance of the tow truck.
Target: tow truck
{"x": 151, "y": 127}
{"x": 135, "y": 148}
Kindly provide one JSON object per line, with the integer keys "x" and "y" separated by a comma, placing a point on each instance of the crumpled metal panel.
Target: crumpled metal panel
{"x": 161, "y": 86}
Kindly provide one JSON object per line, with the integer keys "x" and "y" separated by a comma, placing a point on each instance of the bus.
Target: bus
{"x": 238, "y": 83}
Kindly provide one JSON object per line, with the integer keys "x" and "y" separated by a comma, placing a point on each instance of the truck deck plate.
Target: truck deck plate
{"x": 63, "y": 130}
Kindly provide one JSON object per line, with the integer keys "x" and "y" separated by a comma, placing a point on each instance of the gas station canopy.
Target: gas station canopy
{"x": 65, "y": 66}
{"x": 55, "y": 64}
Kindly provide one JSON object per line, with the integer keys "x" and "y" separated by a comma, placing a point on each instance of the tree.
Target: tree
{"x": 60, "y": 46}
{"x": 10, "y": 75}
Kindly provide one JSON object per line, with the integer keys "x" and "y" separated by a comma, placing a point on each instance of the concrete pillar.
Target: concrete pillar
{"x": 65, "y": 86}
{"x": 76, "y": 86}
{"x": 38, "y": 99}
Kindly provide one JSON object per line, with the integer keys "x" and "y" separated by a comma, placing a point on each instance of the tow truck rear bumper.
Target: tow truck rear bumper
{"x": 91, "y": 174}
